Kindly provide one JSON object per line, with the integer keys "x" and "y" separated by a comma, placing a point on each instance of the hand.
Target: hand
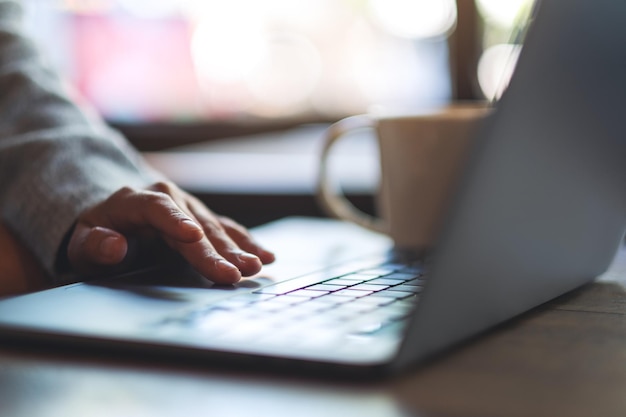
{"x": 216, "y": 246}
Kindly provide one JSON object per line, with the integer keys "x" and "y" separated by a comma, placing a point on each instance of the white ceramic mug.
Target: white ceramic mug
{"x": 420, "y": 157}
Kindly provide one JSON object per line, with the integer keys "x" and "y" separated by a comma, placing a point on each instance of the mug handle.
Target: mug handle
{"x": 331, "y": 199}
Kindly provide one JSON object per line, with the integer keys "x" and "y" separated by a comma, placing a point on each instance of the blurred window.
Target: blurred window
{"x": 182, "y": 61}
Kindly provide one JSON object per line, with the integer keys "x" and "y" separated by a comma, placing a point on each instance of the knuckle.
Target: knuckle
{"x": 124, "y": 192}
{"x": 165, "y": 187}
{"x": 157, "y": 198}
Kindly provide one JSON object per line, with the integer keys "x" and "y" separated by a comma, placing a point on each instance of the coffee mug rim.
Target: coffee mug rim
{"x": 467, "y": 109}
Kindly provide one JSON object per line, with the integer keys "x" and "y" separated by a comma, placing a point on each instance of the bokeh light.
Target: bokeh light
{"x": 226, "y": 57}
{"x": 151, "y": 9}
{"x": 505, "y": 25}
{"x": 495, "y": 69}
{"x": 285, "y": 75}
{"x": 502, "y": 12}
{"x": 415, "y": 18}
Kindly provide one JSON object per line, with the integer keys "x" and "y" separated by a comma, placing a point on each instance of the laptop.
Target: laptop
{"x": 540, "y": 210}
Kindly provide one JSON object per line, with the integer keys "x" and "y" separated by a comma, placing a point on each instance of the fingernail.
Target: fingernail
{"x": 224, "y": 265}
{"x": 247, "y": 257}
{"x": 268, "y": 256}
{"x": 191, "y": 225}
{"x": 109, "y": 246}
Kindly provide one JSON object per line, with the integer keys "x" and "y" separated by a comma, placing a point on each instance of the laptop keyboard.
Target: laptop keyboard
{"x": 358, "y": 305}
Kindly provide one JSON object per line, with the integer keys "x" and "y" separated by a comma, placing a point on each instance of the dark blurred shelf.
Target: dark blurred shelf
{"x": 253, "y": 210}
{"x": 158, "y": 136}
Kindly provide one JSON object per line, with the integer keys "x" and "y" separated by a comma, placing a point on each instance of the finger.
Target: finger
{"x": 129, "y": 210}
{"x": 215, "y": 246}
{"x": 218, "y": 238}
{"x": 94, "y": 246}
{"x": 247, "y": 263}
{"x": 203, "y": 257}
{"x": 242, "y": 237}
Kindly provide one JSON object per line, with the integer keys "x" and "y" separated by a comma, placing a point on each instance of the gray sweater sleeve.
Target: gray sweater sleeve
{"x": 56, "y": 160}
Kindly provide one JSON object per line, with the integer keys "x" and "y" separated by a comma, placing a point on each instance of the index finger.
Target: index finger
{"x": 128, "y": 210}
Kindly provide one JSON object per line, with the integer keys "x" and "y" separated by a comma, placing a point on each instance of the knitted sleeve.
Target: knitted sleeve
{"x": 56, "y": 159}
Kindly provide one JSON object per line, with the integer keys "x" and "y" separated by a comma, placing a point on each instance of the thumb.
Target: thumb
{"x": 95, "y": 246}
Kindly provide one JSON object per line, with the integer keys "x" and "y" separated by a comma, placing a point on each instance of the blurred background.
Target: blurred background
{"x": 230, "y": 98}
{"x": 266, "y": 62}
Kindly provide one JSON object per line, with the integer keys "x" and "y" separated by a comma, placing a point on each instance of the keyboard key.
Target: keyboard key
{"x": 308, "y": 293}
{"x": 326, "y": 287}
{"x": 343, "y": 315}
{"x": 353, "y": 276}
{"x": 308, "y": 308}
{"x": 352, "y": 293}
{"x": 375, "y": 300}
{"x": 364, "y": 275}
{"x": 385, "y": 281}
{"x": 269, "y": 305}
{"x": 293, "y": 284}
{"x": 356, "y": 307}
{"x": 378, "y": 272}
{"x": 288, "y": 299}
{"x": 408, "y": 288}
{"x": 396, "y": 294}
{"x": 344, "y": 281}
{"x": 330, "y": 299}
{"x": 369, "y": 287}
{"x": 401, "y": 275}
{"x": 252, "y": 297}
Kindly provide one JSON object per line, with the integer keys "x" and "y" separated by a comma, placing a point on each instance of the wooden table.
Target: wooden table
{"x": 567, "y": 358}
